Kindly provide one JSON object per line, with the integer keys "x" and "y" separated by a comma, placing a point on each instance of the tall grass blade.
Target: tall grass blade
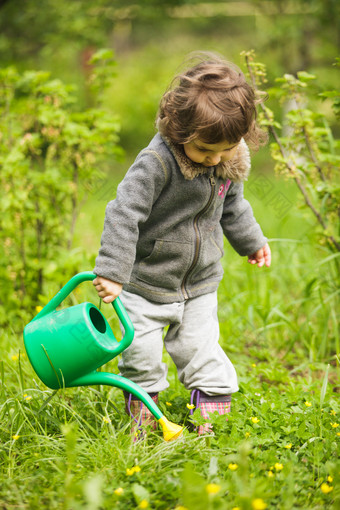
{"x": 324, "y": 387}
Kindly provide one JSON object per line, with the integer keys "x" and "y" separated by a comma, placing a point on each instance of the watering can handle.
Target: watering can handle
{"x": 70, "y": 286}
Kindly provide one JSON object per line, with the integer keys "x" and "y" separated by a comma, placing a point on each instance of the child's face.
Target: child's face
{"x": 209, "y": 154}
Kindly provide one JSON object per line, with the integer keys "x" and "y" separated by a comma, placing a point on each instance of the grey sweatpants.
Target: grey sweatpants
{"x": 191, "y": 340}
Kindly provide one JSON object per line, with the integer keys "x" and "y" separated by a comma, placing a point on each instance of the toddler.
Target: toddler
{"x": 163, "y": 234}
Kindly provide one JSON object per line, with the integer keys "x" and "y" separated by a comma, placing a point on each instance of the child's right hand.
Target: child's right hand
{"x": 107, "y": 289}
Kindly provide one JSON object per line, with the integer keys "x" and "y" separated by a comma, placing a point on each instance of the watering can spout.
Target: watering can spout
{"x": 67, "y": 346}
{"x": 170, "y": 430}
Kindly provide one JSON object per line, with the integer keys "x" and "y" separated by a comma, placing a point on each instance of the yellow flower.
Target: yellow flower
{"x": 233, "y": 467}
{"x": 325, "y": 488}
{"x": 15, "y": 437}
{"x": 181, "y": 507}
{"x": 329, "y": 479}
{"x": 190, "y": 406}
{"x": 247, "y": 434}
{"x": 334, "y": 425}
{"x": 27, "y": 398}
{"x": 119, "y": 491}
{"x": 38, "y": 309}
{"x": 15, "y": 357}
{"x": 212, "y": 488}
{"x": 308, "y": 404}
{"x": 236, "y": 508}
{"x": 106, "y": 420}
{"x": 288, "y": 446}
{"x": 270, "y": 474}
{"x": 254, "y": 419}
{"x": 258, "y": 504}
{"x": 338, "y": 433}
{"x": 133, "y": 470}
{"x": 168, "y": 404}
{"x": 333, "y": 413}
{"x": 253, "y": 365}
{"x": 278, "y": 466}
{"x": 143, "y": 504}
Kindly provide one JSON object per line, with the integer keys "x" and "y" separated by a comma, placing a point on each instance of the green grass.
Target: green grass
{"x": 71, "y": 449}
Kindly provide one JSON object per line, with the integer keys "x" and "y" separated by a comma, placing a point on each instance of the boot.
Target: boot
{"x": 209, "y": 404}
{"x": 140, "y": 414}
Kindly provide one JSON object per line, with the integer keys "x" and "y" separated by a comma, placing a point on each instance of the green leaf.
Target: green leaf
{"x": 140, "y": 493}
{"x": 100, "y": 55}
{"x": 305, "y": 77}
{"x": 193, "y": 489}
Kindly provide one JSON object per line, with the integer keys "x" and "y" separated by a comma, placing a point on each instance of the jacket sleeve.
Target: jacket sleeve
{"x": 238, "y": 223}
{"x": 132, "y": 206}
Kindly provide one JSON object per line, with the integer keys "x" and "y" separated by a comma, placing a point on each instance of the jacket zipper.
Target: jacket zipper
{"x": 198, "y": 234}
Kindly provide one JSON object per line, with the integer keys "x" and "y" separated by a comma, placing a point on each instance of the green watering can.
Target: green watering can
{"x": 66, "y": 347}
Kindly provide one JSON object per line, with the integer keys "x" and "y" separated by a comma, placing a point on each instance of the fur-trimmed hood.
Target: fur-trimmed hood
{"x": 237, "y": 169}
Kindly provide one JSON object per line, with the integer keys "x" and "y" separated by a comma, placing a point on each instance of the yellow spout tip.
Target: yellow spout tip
{"x": 170, "y": 430}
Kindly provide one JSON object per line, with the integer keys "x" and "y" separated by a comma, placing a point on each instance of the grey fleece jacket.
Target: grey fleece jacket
{"x": 163, "y": 234}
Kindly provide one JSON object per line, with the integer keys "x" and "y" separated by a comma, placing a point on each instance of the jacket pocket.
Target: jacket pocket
{"x": 208, "y": 264}
{"x": 167, "y": 264}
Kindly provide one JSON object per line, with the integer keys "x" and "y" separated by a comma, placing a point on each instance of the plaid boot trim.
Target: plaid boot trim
{"x": 139, "y": 413}
{"x": 207, "y": 404}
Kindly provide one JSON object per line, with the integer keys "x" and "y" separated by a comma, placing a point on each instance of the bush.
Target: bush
{"x": 51, "y": 155}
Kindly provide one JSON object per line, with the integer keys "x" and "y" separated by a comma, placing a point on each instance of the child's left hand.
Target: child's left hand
{"x": 261, "y": 256}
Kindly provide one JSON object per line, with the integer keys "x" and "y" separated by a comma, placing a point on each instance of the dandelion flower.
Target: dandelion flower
{"x": 190, "y": 406}
{"x": 329, "y": 479}
{"x": 288, "y": 446}
{"x": 258, "y": 504}
{"x": 15, "y": 437}
{"x": 143, "y": 504}
{"x": 233, "y": 467}
{"x": 278, "y": 466}
{"x": 254, "y": 419}
{"x": 308, "y": 404}
{"x": 334, "y": 425}
{"x": 325, "y": 488}
{"x": 119, "y": 491}
{"x": 212, "y": 488}
{"x": 168, "y": 404}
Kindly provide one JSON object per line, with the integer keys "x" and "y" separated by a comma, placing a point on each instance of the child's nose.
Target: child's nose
{"x": 215, "y": 159}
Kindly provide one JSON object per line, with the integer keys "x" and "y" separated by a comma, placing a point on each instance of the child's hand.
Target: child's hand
{"x": 261, "y": 256}
{"x": 107, "y": 289}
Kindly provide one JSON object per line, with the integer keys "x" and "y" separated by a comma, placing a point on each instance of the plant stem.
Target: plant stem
{"x": 289, "y": 167}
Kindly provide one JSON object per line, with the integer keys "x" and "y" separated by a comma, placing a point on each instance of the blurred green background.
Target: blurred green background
{"x": 150, "y": 39}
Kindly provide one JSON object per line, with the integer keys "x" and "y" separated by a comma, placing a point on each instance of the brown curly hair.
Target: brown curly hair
{"x": 211, "y": 101}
